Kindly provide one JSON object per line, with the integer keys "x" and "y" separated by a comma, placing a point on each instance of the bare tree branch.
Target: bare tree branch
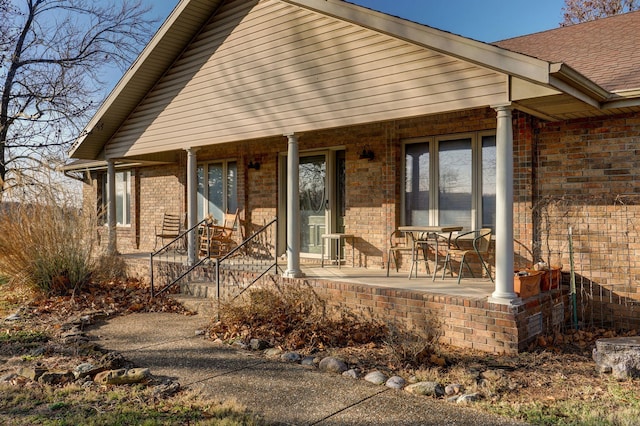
{"x": 577, "y": 11}
{"x": 51, "y": 54}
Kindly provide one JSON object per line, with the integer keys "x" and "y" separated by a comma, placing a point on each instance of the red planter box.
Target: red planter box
{"x": 550, "y": 279}
{"x": 527, "y": 285}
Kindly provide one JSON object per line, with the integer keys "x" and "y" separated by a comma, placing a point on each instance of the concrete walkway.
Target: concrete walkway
{"x": 280, "y": 393}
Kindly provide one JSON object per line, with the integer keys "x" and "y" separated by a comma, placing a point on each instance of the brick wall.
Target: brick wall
{"x": 587, "y": 175}
{"x": 464, "y": 322}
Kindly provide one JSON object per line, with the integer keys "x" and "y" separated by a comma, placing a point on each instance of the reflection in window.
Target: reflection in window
{"x": 122, "y": 197}
{"x": 455, "y": 180}
{"x": 451, "y": 181}
{"x": 217, "y": 194}
{"x": 416, "y": 185}
{"x": 488, "y": 182}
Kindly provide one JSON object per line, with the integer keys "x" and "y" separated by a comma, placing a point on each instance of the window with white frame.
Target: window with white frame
{"x": 450, "y": 180}
{"x": 217, "y": 189}
{"x": 122, "y": 197}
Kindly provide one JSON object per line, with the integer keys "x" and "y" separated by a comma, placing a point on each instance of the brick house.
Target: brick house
{"x": 236, "y": 103}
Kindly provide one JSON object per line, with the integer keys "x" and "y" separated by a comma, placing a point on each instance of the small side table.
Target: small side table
{"x": 338, "y": 238}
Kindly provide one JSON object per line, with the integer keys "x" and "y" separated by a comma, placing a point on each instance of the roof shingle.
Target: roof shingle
{"x": 607, "y": 50}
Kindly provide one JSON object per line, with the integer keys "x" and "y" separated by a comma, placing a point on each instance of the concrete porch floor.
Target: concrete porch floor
{"x": 475, "y": 288}
{"x": 469, "y": 287}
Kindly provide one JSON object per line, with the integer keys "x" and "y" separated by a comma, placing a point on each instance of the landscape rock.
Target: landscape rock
{"x": 453, "y": 389}
{"x": 113, "y": 361}
{"x": 376, "y": 377}
{"x": 272, "y": 352}
{"x": 258, "y": 344}
{"x": 86, "y": 369}
{"x": 468, "y": 398}
{"x": 426, "y": 389}
{"x": 395, "y": 382}
{"x": 333, "y": 365}
{"x": 308, "y": 361}
{"x": 619, "y": 356}
{"x": 166, "y": 389}
{"x": 39, "y": 351}
{"x": 56, "y": 377}
{"x": 291, "y": 357}
{"x": 32, "y": 373}
{"x": 123, "y": 376}
{"x": 239, "y": 345}
{"x": 352, "y": 374}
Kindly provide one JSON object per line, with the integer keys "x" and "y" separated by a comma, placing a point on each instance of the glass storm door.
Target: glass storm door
{"x": 313, "y": 203}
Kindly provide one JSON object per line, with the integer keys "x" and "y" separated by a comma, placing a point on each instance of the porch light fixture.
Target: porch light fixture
{"x": 367, "y": 153}
{"x": 252, "y": 165}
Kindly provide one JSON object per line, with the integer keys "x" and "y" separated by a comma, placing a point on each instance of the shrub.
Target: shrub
{"x": 48, "y": 246}
{"x": 294, "y": 317}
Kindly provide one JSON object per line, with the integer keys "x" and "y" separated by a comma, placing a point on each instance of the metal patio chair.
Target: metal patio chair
{"x": 477, "y": 242}
{"x": 402, "y": 242}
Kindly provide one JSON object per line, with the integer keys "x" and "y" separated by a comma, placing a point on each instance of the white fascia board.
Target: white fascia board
{"x": 466, "y": 49}
{"x": 627, "y": 98}
{"x": 562, "y": 75}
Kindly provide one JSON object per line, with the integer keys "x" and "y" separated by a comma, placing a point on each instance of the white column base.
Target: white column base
{"x": 293, "y": 274}
{"x": 506, "y": 299}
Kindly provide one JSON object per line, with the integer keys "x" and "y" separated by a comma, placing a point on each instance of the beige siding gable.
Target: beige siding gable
{"x": 263, "y": 68}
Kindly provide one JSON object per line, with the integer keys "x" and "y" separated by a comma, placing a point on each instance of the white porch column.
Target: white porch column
{"x": 293, "y": 208}
{"x": 192, "y": 202}
{"x": 504, "y": 293}
{"x": 112, "y": 245}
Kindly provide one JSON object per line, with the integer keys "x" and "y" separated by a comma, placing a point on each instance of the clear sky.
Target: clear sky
{"x": 483, "y": 20}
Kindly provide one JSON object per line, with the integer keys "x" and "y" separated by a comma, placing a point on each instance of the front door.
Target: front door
{"x": 321, "y": 190}
{"x": 314, "y": 203}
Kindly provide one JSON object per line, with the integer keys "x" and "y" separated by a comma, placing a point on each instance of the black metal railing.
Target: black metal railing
{"x": 170, "y": 263}
{"x": 239, "y": 268}
{"x": 255, "y": 257}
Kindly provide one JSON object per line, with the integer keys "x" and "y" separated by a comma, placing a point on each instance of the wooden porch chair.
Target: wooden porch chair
{"x": 170, "y": 228}
{"x": 218, "y": 240}
{"x": 480, "y": 241}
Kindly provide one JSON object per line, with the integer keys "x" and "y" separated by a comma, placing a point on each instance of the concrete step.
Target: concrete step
{"x": 201, "y": 289}
{"x": 207, "y": 308}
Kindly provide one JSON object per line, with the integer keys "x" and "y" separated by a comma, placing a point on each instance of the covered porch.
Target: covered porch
{"x": 464, "y": 313}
